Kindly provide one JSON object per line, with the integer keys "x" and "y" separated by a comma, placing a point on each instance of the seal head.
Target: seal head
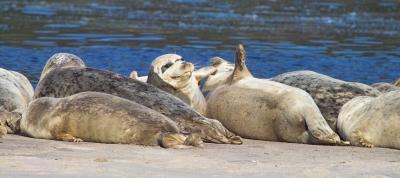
{"x": 172, "y": 74}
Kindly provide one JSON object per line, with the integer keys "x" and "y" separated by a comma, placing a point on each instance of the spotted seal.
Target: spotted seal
{"x": 63, "y": 82}
{"x": 266, "y": 110}
{"x": 371, "y": 121}
{"x": 103, "y": 118}
{"x": 59, "y": 60}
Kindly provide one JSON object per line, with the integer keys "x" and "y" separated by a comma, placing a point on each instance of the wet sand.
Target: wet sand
{"x": 22, "y": 157}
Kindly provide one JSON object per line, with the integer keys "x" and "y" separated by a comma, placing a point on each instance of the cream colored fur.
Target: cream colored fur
{"x": 262, "y": 109}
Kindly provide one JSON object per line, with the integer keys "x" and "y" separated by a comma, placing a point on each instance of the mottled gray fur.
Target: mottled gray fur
{"x": 64, "y": 82}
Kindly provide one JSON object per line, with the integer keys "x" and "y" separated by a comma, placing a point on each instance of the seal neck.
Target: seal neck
{"x": 191, "y": 94}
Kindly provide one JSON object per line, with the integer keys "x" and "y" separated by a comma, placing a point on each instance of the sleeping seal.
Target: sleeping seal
{"x": 266, "y": 110}
{"x": 371, "y": 121}
{"x": 172, "y": 74}
{"x": 63, "y": 82}
{"x": 59, "y": 60}
{"x": 103, "y": 118}
{"x": 15, "y": 94}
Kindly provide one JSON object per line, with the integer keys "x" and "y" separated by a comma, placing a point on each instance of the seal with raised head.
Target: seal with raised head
{"x": 371, "y": 121}
{"x": 15, "y": 94}
{"x": 60, "y": 60}
{"x": 103, "y": 118}
{"x": 63, "y": 82}
{"x": 172, "y": 74}
{"x": 266, "y": 110}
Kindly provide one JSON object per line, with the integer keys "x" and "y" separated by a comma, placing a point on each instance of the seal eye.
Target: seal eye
{"x": 166, "y": 66}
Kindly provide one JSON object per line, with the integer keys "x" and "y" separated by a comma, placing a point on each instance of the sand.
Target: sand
{"x": 22, "y": 157}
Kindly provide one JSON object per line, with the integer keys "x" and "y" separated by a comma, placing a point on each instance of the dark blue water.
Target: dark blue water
{"x": 355, "y": 41}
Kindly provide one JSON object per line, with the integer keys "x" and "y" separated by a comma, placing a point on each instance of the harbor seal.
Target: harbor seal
{"x": 266, "y": 110}
{"x": 59, "y": 60}
{"x": 328, "y": 93}
{"x": 371, "y": 121}
{"x": 385, "y": 87}
{"x": 63, "y": 82}
{"x": 172, "y": 74}
{"x": 102, "y": 118}
{"x": 223, "y": 70}
{"x": 15, "y": 94}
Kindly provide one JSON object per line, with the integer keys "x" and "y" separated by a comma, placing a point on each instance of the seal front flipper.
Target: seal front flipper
{"x": 180, "y": 141}
{"x": 3, "y": 130}
{"x": 67, "y": 137}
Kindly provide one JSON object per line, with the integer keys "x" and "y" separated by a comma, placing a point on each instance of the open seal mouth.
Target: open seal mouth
{"x": 188, "y": 73}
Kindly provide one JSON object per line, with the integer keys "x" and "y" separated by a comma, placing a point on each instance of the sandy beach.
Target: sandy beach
{"x": 23, "y": 157}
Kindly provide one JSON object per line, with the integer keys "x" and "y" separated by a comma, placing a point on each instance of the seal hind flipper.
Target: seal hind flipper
{"x": 240, "y": 70}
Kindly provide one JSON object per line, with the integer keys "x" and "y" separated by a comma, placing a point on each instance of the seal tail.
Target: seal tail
{"x": 180, "y": 141}
{"x": 240, "y": 70}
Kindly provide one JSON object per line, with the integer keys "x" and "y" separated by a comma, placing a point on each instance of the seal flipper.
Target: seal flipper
{"x": 240, "y": 70}
{"x": 359, "y": 140}
{"x": 10, "y": 121}
{"x": 3, "y": 130}
{"x": 67, "y": 137}
{"x": 204, "y": 73}
{"x": 179, "y": 141}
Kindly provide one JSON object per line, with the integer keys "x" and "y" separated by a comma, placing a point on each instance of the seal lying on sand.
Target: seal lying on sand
{"x": 385, "y": 87}
{"x": 266, "y": 110}
{"x": 170, "y": 73}
{"x": 103, "y": 118}
{"x": 59, "y": 60}
{"x": 328, "y": 93}
{"x": 371, "y": 121}
{"x": 15, "y": 94}
{"x": 63, "y": 82}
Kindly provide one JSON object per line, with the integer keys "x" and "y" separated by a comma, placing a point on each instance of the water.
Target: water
{"x": 350, "y": 40}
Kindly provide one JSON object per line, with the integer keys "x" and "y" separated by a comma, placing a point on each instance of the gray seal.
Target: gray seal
{"x": 102, "y": 118}
{"x": 63, "y": 82}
